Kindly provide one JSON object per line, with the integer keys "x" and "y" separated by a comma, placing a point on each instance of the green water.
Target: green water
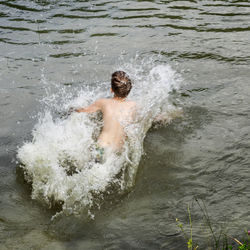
{"x": 204, "y": 154}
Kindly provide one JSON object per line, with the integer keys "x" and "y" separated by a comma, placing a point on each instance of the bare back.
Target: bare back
{"x": 116, "y": 115}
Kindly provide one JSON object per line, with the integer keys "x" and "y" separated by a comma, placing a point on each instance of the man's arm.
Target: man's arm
{"x": 168, "y": 116}
{"x": 94, "y": 107}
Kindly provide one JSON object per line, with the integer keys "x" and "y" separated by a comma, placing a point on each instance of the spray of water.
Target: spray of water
{"x": 59, "y": 162}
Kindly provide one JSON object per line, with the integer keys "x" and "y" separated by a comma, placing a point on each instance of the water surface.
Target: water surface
{"x": 204, "y": 154}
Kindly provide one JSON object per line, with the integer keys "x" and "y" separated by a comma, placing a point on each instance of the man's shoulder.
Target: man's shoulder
{"x": 110, "y": 101}
{"x": 102, "y": 101}
{"x": 132, "y": 103}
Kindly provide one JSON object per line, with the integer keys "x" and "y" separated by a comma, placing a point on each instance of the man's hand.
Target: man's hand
{"x": 79, "y": 110}
{"x": 71, "y": 110}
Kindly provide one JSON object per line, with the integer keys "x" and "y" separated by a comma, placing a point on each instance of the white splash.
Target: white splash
{"x": 58, "y": 161}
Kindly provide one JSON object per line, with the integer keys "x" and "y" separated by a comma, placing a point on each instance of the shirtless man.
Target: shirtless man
{"x": 117, "y": 112}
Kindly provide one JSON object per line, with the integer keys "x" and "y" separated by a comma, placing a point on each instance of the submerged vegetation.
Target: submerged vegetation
{"x": 220, "y": 241}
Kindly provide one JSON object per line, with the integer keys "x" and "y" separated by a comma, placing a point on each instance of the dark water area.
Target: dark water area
{"x": 202, "y": 155}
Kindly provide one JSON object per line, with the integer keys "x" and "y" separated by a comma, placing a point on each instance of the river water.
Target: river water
{"x": 52, "y": 50}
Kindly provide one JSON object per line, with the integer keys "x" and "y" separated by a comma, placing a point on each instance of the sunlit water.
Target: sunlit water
{"x": 184, "y": 55}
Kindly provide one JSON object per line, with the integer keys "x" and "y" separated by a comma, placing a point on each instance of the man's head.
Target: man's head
{"x": 120, "y": 84}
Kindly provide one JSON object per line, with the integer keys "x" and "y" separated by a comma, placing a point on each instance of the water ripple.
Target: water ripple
{"x": 227, "y": 5}
{"x": 93, "y": 20}
{"x": 79, "y": 17}
{"x": 104, "y": 34}
{"x": 14, "y": 28}
{"x": 21, "y": 7}
{"x": 84, "y": 9}
{"x": 149, "y": 16}
{"x": 72, "y": 42}
{"x": 139, "y": 9}
{"x": 224, "y": 14}
{"x": 67, "y": 55}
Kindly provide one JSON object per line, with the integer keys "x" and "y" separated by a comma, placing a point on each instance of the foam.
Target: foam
{"x": 58, "y": 162}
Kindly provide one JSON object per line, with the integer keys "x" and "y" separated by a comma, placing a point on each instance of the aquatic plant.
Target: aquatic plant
{"x": 190, "y": 244}
{"x": 220, "y": 241}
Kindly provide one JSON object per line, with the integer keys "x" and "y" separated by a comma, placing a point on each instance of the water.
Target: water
{"x": 52, "y": 50}
{"x": 60, "y": 161}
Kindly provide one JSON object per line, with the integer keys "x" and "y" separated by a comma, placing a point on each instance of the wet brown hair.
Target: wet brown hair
{"x": 121, "y": 84}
